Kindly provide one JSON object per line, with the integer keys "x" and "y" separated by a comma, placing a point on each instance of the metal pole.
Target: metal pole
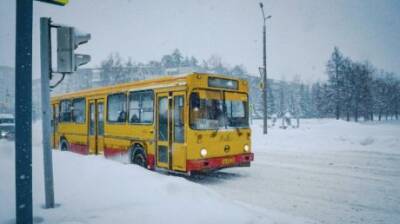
{"x": 23, "y": 112}
{"x": 264, "y": 93}
{"x": 45, "y": 57}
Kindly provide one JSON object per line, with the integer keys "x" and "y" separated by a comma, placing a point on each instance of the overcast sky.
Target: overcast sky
{"x": 301, "y": 34}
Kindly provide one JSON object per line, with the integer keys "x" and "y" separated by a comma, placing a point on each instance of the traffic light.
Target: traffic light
{"x": 68, "y": 40}
{"x": 55, "y": 2}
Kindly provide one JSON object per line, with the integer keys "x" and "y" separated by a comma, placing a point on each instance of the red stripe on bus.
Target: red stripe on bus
{"x": 150, "y": 161}
{"x": 79, "y": 148}
{"x": 109, "y": 152}
{"x": 219, "y": 162}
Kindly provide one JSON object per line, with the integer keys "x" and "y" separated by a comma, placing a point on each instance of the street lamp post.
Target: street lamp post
{"x": 264, "y": 73}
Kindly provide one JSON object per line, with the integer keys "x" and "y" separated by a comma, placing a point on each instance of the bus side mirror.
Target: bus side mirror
{"x": 194, "y": 100}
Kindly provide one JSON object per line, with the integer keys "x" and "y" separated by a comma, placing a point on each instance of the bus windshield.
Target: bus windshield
{"x": 211, "y": 109}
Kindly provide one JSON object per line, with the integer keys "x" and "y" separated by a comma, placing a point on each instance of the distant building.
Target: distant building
{"x": 180, "y": 70}
{"x": 7, "y": 89}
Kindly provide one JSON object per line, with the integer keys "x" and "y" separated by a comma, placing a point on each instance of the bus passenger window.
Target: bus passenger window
{"x": 116, "y": 108}
{"x": 52, "y": 119}
{"x": 141, "y": 107}
{"x": 179, "y": 133}
{"x": 146, "y": 115}
{"x": 134, "y": 107}
{"x": 78, "y": 110}
{"x": 65, "y": 111}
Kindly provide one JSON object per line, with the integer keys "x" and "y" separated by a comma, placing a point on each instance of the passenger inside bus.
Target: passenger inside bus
{"x": 121, "y": 116}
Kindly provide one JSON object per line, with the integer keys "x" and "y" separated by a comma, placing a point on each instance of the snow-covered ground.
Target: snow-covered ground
{"x": 329, "y": 171}
{"x": 325, "y": 172}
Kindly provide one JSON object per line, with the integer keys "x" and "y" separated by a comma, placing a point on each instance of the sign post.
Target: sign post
{"x": 45, "y": 59}
{"x": 67, "y": 61}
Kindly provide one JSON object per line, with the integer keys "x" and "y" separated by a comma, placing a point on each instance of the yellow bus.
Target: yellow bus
{"x": 185, "y": 123}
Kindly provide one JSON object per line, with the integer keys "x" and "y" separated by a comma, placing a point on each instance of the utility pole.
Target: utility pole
{"x": 23, "y": 112}
{"x": 264, "y": 72}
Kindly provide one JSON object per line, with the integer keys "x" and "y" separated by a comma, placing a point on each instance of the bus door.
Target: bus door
{"x": 96, "y": 126}
{"x": 178, "y": 130}
{"x": 171, "y": 148}
{"x": 163, "y": 153}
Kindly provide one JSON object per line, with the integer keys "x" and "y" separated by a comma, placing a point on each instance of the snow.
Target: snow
{"x": 326, "y": 171}
{"x": 329, "y": 171}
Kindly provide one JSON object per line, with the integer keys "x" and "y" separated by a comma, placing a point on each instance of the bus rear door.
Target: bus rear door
{"x": 96, "y": 126}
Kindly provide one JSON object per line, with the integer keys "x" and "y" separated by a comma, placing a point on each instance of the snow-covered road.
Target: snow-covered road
{"x": 328, "y": 171}
{"x": 325, "y": 172}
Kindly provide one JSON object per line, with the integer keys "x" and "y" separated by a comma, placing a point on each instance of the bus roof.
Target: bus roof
{"x": 159, "y": 82}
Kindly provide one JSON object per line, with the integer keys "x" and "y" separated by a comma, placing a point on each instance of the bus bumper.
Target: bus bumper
{"x": 219, "y": 162}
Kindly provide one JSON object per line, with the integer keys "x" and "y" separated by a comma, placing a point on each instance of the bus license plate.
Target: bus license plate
{"x": 227, "y": 161}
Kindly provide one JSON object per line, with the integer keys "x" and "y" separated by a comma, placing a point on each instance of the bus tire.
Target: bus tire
{"x": 64, "y": 146}
{"x": 138, "y": 157}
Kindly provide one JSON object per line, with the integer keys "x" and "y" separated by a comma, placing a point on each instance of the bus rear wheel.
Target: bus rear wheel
{"x": 64, "y": 145}
{"x": 138, "y": 157}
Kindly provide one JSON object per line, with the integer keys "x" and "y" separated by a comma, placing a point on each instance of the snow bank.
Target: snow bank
{"x": 329, "y": 134}
{"x": 328, "y": 171}
{"x": 92, "y": 189}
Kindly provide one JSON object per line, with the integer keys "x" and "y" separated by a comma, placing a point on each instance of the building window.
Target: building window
{"x": 141, "y": 107}
{"x": 116, "y": 108}
{"x": 65, "y": 111}
{"x": 79, "y": 110}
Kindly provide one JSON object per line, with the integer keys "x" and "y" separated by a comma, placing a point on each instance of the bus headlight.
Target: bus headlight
{"x": 246, "y": 148}
{"x": 203, "y": 152}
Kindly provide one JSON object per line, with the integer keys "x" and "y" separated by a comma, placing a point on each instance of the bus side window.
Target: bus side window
{"x": 141, "y": 107}
{"x": 52, "y": 118}
{"x": 65, "y": 111}
{"x": 194, "y": 100}
{"x": 134, "y": 107}
{"x": 56, "y": 117}
{"x": 116, "y": 108}
{"x": 79, "y": 110}
{"x": 194, "y": 109}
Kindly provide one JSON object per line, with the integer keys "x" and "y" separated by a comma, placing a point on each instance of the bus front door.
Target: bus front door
{"x": 171, "y": 148}
{"x": 178, "y": 132}
{"x": 96, "y": 126}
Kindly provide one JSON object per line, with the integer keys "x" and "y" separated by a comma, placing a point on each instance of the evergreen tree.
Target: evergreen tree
{"x": 335, "y": 79}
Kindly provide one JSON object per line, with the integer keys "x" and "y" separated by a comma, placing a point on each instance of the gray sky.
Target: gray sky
{"x": 301, "y": 34}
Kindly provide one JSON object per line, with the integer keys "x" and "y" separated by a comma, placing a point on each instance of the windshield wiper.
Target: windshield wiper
{"x": 238, "y": 131}
{"x": 215, "y": 132}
